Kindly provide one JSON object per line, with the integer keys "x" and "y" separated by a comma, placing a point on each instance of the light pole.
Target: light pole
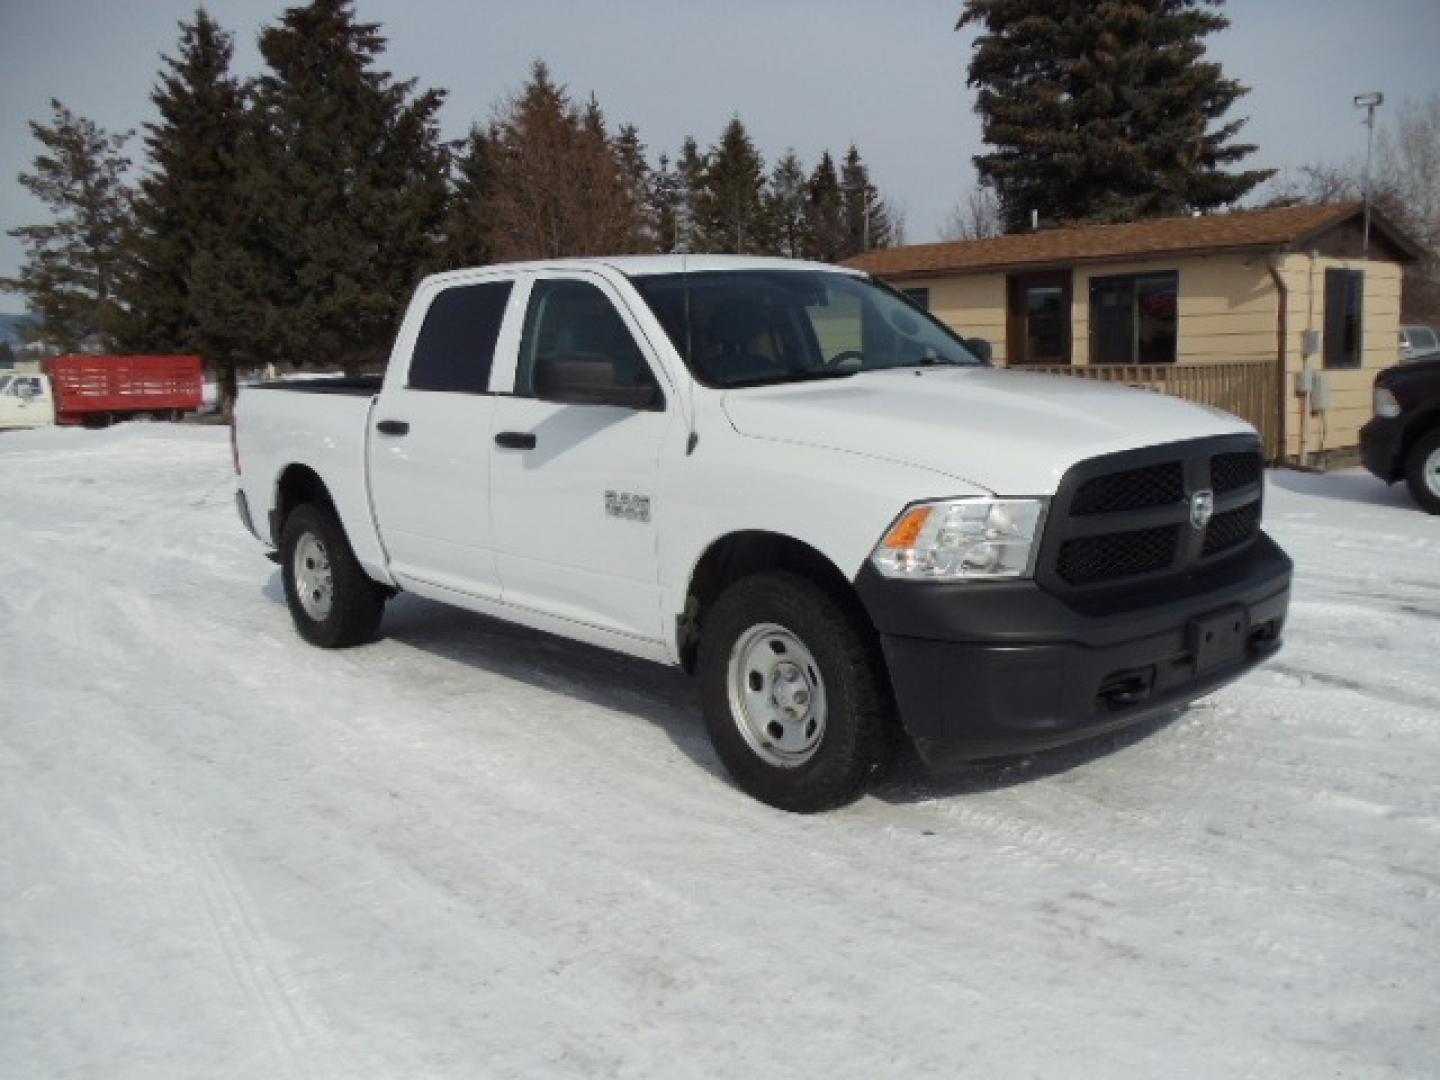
{"x": 1369, "y": 102}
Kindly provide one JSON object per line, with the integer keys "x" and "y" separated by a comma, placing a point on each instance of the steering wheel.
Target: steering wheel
{"x": 845, "y": 356}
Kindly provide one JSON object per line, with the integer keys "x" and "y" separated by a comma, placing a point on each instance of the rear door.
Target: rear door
{"x": 574, "y": 515}
{"x": 429, "y": 439}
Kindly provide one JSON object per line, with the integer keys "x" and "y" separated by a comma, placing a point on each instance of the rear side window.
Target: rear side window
{"x": 456, "y": 346}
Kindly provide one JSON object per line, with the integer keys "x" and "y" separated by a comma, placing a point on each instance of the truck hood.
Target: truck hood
{"x": 1008, "y": 432}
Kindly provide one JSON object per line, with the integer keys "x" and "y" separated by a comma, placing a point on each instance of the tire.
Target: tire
{"x": 1422, "y": 471}
{"x": 794, "y": 694}
{"x": 334, "y": 603}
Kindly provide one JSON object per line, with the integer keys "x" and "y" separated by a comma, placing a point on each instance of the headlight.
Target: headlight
{"x": 1385, "y": 403}
{"x": 962, "y": 539}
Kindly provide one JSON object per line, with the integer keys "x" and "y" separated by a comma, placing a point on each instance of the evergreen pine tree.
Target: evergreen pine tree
{"x": 664, "y": 206}
{"x": 344, "y": 182}
{"x": 867, "y": 221}
{"x": 730, "y": 208}
{"x": 1104, "y": 112}
{"x": 690, "y": 173}
{"x": 185, "y": 211}
{"x": 786, "y": 202}
{"x": 74, "y": 265}
{"x": 468, "y": 221}
{"x": 825, "y": 213}
{"x": 635, "y": 171}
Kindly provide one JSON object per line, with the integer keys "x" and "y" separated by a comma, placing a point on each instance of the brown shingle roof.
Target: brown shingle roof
{"x": 1238, "y": 231}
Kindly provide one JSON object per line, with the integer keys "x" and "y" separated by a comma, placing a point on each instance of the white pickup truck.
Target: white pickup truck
{"x": 790, "y": 480}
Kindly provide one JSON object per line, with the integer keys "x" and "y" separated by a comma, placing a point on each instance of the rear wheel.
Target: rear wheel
{"x": 1422, "y": 471}
{"x": 795, "y": 698}
{"x": 333, "y": 601}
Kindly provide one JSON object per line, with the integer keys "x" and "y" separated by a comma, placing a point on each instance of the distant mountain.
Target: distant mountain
{"x": 10, "y": 327}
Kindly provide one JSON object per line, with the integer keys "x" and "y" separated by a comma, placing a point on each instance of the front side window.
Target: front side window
{"x": 1134, "y": 318}
{"x": 456, "y": 346}
{"x": 572, "y": 328}
{"x": 1344, "y": 301}
{"x": 753, "y": 327}
{"x": 4, "y": 383}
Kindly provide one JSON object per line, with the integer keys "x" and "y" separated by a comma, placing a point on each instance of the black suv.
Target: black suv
{"x": 1404, "y": 438}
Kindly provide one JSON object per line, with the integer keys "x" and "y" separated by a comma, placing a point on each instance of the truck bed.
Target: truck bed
{"x": 352, "y": 385}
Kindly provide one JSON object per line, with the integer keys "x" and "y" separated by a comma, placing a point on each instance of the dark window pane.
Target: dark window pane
{"x": 573, "y": 322}
{"x": 456, "y": 346}
{"x": 1112, "y": 321}
{"x": 1134, "y": 318}
{"x": 1155, "y": 311}
{"x": 1045, "y": 318}
{"x": 1344, "y": 301}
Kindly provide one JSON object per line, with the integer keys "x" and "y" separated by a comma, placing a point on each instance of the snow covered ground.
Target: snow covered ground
{"x": 471, "y": 850}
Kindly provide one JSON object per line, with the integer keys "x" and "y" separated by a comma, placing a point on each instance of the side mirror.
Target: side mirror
{"x": 981, "y": 348}
{"x": 590, "y": 380}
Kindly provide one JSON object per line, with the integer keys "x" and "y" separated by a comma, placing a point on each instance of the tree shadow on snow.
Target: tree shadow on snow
{"x": 661, "y": 695}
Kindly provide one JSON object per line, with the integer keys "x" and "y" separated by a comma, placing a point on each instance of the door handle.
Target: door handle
{"x": 516, "y": 440}
{"x": 393, "y": 427}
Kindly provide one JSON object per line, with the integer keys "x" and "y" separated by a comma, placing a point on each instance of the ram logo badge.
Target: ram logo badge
{"x": 628, "y": 506}
{"x": 1202, "y": 508}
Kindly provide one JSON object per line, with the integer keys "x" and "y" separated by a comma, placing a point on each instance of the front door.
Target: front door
{"x": 1039, "y": 319}
{"x": 573, "y": 506}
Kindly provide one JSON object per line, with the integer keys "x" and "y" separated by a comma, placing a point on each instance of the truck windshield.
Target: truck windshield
{"x": 756, "y": 327}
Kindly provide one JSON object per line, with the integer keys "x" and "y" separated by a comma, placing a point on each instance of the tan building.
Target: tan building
{"x": 1225, "y": 309}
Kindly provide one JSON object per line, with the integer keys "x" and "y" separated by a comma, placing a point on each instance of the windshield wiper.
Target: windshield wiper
{"x": 811, "y": 375}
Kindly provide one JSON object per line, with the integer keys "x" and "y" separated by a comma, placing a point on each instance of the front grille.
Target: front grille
{"x": 1132, "y": 489}
{"x": 1126, "y": 516}
{"x": 1229, "y": 472}
{"x": 1087, "y": 560}
{"x": 1231, "y": 529}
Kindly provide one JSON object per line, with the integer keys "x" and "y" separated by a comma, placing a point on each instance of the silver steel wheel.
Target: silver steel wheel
{"x": 314, "y": 584}
{"x": 1430, "y": 470}
{"x": 777, "y": 697}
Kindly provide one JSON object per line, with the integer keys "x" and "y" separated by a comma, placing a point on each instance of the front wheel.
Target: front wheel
{"x": 333, "y": 601}
{"x": 1422, "y": 471}
{"x": 794, "y": 693}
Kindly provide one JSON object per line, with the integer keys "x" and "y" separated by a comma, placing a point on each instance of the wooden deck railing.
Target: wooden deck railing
{"x": 1247, "y": 388}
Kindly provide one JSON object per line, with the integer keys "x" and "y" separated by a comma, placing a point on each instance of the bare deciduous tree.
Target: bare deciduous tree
{"x": 975, "y": 217}
{"x": 1404, "y": 188}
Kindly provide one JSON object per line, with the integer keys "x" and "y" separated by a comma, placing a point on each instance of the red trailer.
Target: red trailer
{"x": 96, "y": 390}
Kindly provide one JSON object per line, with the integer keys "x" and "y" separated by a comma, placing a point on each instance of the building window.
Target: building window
{"x": 1344, "y": 302}
{"x": 919, "y": 297}
{"x": 1038, "y": 326}
{"x": 1134, "y": 318}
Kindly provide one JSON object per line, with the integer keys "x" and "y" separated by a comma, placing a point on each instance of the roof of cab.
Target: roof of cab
{"x": 644, "y": 265}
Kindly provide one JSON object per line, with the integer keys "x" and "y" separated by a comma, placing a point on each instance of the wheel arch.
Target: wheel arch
{"x": 1422, "y": 424}
{"x": 296, "y": 485}
{"x": 738, "y": 555}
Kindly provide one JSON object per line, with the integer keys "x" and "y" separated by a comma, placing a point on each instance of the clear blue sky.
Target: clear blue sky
{"x": 804, "y": 73}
